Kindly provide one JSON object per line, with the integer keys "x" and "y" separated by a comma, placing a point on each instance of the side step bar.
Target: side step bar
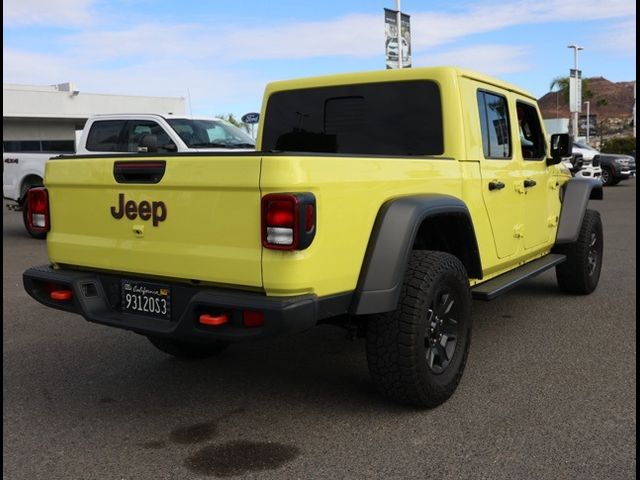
{"x": 505, "y": 282}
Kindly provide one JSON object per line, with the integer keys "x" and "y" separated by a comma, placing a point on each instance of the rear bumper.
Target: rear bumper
{"x": 96, "y": 297}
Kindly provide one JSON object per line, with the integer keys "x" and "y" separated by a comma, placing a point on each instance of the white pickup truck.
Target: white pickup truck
{"x": 123, "y": 133}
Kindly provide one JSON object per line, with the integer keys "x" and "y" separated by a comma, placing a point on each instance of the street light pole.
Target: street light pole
{"x": 399, "y": 23}
{"x": 588, "y": 104}
{"x": 575, "y": 68}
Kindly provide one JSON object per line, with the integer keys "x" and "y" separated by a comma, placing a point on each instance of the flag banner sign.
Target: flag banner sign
{"x": 392, "y": 49}
{"x": 575, "y": 91}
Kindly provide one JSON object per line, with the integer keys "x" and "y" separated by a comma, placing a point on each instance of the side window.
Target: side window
{"x": 104, "y": 136}
{"x": 136, "y": 129}
{"x": 531, "y": 136}
{"x": 37, "y": 146}
{"x": 494, "y": 125}
{"x": 16, "y": 146}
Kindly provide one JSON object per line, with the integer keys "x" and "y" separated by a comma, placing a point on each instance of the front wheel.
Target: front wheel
{"x": 608, "y": 178}
{"x": 580, "y": 273}
{"x": 187, "y": 350}
{"x": 417, "y": 353}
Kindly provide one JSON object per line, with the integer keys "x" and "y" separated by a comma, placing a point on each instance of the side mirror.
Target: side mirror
{"x": 560, "y": 148}
{"x": 148, "y": 143}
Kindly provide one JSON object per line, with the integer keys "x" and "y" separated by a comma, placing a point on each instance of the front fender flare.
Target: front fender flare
{"x": 576, "y": 195}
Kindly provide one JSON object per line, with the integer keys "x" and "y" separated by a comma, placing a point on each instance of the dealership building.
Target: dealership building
{"x": 49, "y": 118}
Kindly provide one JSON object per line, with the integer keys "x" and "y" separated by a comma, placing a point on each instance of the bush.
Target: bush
{"x": 623, "y": 145}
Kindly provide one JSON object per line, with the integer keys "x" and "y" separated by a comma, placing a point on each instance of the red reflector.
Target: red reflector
{"x": 311, "y": 218}
{"x": 61, "y": 294}
{"x": 253, "y": 319}
{"x": 214, "y": 320}
{"x": 280, "y": 213}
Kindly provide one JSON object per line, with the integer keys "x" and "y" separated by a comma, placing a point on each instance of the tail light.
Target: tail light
{"x": 38, "y": 209}
{"x": 288, "y": 220}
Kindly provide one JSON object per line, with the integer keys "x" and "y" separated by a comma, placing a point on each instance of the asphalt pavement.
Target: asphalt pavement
{"x": 549, "y": 391}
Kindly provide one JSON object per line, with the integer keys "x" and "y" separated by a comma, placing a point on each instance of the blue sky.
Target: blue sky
{"x": 224, "y": 53}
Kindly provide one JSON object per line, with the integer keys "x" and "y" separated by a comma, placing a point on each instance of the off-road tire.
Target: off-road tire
{"x": 398, "y": 341}
{"x": 187, "y": 350}
{"x": 579, "y": 274}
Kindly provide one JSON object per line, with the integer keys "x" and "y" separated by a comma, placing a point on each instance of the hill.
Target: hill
{"x": 609, "y": 100}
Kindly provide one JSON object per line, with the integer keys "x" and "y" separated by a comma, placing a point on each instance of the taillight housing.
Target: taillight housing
{"x": 38, "y": 210}
{"x": 288, "y": 220}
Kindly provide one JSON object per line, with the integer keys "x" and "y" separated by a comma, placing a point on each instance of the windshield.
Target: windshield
{"x": 210, "y": 134}
{"x": 584, "y": 145}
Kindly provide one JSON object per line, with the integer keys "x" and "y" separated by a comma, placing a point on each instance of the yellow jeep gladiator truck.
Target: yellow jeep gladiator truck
{"x": 383, "y": 201}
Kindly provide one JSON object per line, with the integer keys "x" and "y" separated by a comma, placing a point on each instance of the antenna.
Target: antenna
{"x": 189, "y": 97}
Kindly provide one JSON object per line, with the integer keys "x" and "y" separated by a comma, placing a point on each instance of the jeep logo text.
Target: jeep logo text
{"x": 157, "y": 211}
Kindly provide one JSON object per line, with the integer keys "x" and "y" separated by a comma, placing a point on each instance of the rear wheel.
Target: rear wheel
{"x": 417, "y": 353}
{"x": 187, "y": 350}
{"x": 580, "y": 273}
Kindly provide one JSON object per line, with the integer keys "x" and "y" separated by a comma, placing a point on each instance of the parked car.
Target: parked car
{"x": 589, "y": 169}
{"x": 614, "y": 167}
{"x": 119, "y": 133}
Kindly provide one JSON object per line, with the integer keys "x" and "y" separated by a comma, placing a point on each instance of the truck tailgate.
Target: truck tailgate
{"x": 200, "y": 221}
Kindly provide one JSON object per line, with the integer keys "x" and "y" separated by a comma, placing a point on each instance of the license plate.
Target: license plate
{"x": 150, "y": 299}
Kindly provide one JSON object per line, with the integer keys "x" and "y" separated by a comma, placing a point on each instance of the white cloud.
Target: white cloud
{"x": 46, "y": 12}
{"x": 357, "y": 35}
{"x": 165, "y": 58}
{"x": 489, "y": 59}
{"x": 33, "y": 68}
{"x": 433, "y": 29}
{"x": 351, "y": 35}
{"x": 213, "y": 90}
{"x": 619, "y": 38}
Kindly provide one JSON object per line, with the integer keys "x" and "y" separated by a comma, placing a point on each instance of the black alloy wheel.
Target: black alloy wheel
{"x": 443, "y": 330}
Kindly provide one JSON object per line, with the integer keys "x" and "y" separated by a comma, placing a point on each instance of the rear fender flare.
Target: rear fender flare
{"x": 392, "y": 239}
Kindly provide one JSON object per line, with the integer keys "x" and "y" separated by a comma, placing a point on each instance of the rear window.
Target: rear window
{"x": 104, "y": 136}
{"x": 387, "y": 118}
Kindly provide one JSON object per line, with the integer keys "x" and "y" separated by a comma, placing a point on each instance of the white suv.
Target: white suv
{"x": 588, "y": 168}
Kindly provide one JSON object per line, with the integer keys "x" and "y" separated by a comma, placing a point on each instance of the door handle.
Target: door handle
{"x": 529, "y": 183}
{"x": 496, "y": 185}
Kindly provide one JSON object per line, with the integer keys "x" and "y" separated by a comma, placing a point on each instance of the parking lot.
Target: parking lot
{"x": 549, "y": 391}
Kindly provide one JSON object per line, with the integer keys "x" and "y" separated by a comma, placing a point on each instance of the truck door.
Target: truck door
{"x": 500, "y": 172}
{"x": 531, "y": 152}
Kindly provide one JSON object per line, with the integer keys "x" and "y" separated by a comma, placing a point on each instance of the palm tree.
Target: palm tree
{"x": 562, "y": 85}
{"x": 230, "y": 117}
